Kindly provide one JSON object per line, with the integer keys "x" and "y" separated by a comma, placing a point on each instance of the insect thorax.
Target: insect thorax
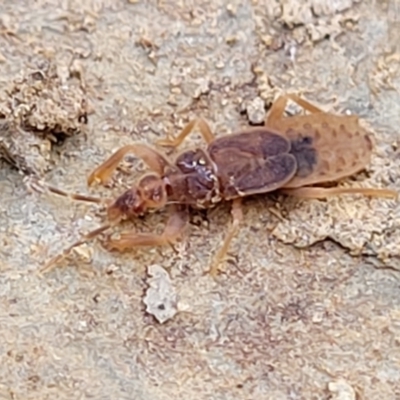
{"x": 195, "y": 181}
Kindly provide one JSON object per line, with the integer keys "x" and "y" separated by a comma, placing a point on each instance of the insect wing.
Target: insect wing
{"x": 251, "y": 162}
{"x": 327, "y": 147}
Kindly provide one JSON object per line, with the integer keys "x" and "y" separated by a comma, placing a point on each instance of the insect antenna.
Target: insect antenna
{"x": 41, "y": 187}
{"x": 84, "y": 239}
{"x": 38, "y": 186}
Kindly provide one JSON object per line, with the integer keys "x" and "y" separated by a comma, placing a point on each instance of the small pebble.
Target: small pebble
{"x": 256, "y": 111}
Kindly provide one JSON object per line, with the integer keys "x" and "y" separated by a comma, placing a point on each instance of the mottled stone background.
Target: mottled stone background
{"x": 308, "y": 306}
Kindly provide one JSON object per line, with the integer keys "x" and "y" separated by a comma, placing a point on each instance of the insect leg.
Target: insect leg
{"x": 278, "y": 108}
{"x": 304, "y": 103}
{"x": 155, "y": 160}
{"x": 176, "y": 224}
{"x": 322, "y": 193}
{"x": 204, "y": 128}
{"x": 237, "y": 217}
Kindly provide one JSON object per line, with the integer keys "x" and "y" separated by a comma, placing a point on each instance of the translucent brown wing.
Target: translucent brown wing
{"x": 327, "y": 147}
{"x": 251, "y": 162}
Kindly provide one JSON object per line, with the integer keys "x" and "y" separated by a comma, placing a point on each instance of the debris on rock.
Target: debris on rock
{"x": 161, "y": 298}
{"x": 294, "y": 14}
{"x": 23, "y": 150}
{"x": 341, "y": 390}
{"x": 327, "y": 7}
{"x": 256, "y": 111}
{"x": 38, "y": 109}
{"x": 203, "y": 87}
{"x": 323, "y": 29}
{"x": 384, "y": 73}
{"x": 267, "y": 90}
{"x": 318, "y": 18}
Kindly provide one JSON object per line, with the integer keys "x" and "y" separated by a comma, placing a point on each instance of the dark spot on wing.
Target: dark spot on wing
{"x": 305, "y": 154}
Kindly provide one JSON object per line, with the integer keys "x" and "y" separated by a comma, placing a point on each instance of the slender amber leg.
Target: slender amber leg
{"x": 176, "y": 224}
{"x": 322, "y": 193}
{"x": 304, "y": 103}
{"x": 155, "y": 160}
{"x": 204, "y": 130}
{"x": 278, "y": 108}
{"x": 237, "y": 217}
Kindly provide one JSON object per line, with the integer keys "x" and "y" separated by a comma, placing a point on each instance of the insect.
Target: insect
{"x": 290, "y": 154}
